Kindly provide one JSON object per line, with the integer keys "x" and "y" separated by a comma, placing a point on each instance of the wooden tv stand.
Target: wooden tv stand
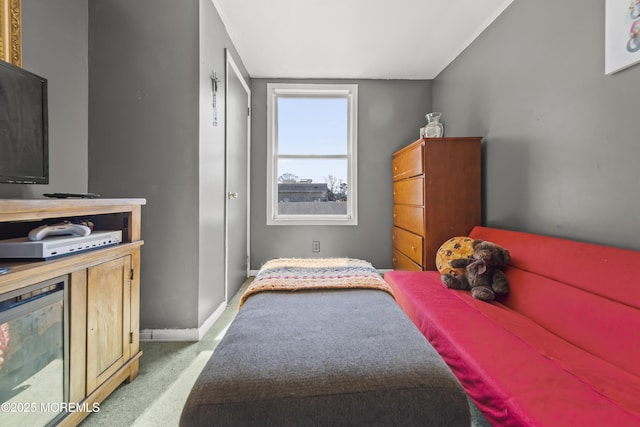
{"x": 103, "y": 293}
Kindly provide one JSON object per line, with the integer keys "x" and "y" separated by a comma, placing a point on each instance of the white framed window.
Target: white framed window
{"x": 312, "y": 154}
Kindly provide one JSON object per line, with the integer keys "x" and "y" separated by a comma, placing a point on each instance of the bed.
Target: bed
{"x": 324, "y": 355}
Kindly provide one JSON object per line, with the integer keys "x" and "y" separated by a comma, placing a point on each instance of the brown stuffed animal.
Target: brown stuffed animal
{"x": 483, "y": 274}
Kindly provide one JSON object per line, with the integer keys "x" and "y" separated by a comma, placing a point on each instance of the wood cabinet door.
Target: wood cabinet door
{"x": 108, "y": 319}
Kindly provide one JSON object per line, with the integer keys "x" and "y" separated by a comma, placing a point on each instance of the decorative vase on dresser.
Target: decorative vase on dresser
{"x": 436, "y": 196}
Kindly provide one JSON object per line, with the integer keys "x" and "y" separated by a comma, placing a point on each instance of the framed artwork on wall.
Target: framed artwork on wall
{"x": 11, "y": 31}
{"x": 622, "y": 34}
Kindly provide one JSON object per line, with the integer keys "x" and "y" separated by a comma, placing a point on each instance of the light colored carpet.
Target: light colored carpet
{"x": 168, "y": 370}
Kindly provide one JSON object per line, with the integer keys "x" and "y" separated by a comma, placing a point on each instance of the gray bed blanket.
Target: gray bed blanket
{"x": 325, "y": 358}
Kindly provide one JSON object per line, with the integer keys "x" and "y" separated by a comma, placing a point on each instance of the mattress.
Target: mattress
{"x": 325, "y": 357}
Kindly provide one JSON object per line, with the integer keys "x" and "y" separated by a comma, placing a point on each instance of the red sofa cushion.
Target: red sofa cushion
{"x": 509, "y": 379}
{"x": 602, "y": 270}
{"x": 545, "y": 274}
{"x": 559, "y": 350}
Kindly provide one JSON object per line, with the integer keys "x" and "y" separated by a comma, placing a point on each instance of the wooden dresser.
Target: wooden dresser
{"x": 436, "y": 196}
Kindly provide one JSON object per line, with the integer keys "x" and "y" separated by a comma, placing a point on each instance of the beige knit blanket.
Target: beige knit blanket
{"x": 294, "y": 274}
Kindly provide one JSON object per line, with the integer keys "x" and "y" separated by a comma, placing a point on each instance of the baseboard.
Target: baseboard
{"x": 187, "y": 334}
{"x": 208, "y": 323}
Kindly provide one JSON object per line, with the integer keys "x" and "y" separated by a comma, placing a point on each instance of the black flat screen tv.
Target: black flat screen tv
{"x": 24, "y": 128}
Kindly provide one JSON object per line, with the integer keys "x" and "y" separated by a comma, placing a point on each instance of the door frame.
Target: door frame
{"x": 230, "y": 66}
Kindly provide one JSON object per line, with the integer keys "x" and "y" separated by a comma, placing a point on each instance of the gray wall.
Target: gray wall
{"x": 128, "y": 89}
{"x": 54, "y": 46}
{"x": 149, "y": 90}
{"x": 143, "y": 140}
{"x": 561, "y": 138}
{"x": 390, "y": 113}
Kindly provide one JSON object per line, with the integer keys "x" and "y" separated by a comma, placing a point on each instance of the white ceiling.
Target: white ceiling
{"x": 366, "y": 39}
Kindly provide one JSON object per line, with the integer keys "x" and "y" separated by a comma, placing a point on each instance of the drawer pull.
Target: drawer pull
{"x": 413, "y": 248}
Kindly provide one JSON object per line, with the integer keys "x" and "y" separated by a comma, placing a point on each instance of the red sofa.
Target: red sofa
{"x": 562, "y": 349}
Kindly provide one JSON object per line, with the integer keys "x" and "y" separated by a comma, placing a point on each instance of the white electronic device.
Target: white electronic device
{"x": 54, "y": 246}
{"x": 58, "y": 230}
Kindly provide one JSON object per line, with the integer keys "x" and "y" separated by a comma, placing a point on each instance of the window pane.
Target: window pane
{"x": 312, "y": 187}
{"x": 312, "y": 170}
{"x": 312, "y": 151}
{"x": 312, "y": 125}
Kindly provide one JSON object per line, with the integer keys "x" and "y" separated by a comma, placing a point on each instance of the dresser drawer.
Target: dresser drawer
{"x": 408, "y": 243}
{"x": 408, "y": 163}
{"x": 401, "y": 262}
{"x": 410, "y": 218}
{"x": 409, "y": 191}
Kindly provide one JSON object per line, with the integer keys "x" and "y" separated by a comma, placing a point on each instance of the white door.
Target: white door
{"x": 237, "y": 115}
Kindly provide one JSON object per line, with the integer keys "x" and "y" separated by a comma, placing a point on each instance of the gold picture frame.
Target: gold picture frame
{"x": 11, "y": 31}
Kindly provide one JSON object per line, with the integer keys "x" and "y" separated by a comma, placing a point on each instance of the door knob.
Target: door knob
{"x": 232, "y": 195}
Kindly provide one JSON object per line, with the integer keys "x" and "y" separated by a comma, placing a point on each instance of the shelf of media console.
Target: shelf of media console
{"x": 21, "y": 272}
{"x": 108, "y": 214}
{"x": 62, "y": 243}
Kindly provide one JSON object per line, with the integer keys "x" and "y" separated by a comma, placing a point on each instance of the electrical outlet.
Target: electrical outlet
{"x": 315, "y": 246}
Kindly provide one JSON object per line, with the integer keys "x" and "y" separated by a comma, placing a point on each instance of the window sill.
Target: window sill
{"x": 311, "y": 221}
